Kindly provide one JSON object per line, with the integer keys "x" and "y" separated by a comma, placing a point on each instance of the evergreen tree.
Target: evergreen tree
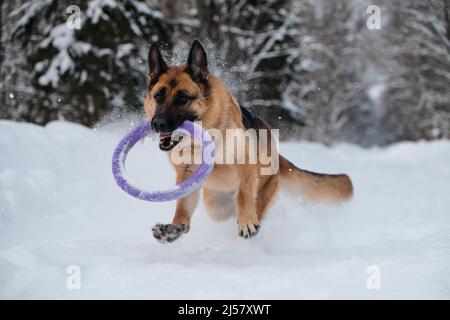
{"x": 79, "y": 74}
{"x": 309, "y": 67}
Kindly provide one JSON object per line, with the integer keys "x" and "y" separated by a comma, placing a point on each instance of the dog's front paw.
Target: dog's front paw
{"x": 248, "y": 231}
{"x": 169, "y": 232}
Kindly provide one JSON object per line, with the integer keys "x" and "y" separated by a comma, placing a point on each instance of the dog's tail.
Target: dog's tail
{"x": 314, "y": 186}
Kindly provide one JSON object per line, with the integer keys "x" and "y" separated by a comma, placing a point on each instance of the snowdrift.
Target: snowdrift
{"x": 59, "y": 206}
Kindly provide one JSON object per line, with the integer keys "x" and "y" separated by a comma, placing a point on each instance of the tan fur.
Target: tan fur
{"x": 314, "y": 186}
{"x": 237, "y": 189}
{"x": 220, "y": 205}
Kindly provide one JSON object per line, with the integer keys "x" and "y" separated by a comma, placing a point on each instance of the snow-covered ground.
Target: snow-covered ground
{"x": 59, "y": 206}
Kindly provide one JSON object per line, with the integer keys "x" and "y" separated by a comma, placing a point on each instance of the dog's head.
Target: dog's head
{"x": 176, "y": 93}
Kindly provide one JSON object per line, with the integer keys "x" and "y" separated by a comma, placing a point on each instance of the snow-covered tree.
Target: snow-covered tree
{"x": 309, "y": 67}
{"x": 418, "y": 59}
{"x": 79, "y": 74}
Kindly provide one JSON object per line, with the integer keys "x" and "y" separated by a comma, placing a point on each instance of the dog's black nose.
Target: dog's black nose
{"x": 160, "y": 124}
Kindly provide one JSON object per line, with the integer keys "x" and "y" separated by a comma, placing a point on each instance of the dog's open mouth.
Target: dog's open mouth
{"x": 166, "y": 143}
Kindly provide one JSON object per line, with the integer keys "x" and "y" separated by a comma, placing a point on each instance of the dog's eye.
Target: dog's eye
{"x": 182, "y": 97}
{"x": 159, "y": 96}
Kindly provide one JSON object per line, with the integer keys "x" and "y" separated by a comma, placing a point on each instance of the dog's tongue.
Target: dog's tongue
{"x": 165, "y": 135}
{"x": 165, "y": 141}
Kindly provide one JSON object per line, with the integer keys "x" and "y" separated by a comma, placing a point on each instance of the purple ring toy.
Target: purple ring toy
{"x": 179, "y": 190}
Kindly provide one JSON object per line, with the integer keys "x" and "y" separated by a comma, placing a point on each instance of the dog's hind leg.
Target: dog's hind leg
{"x": 266, "y": 193}
{"x": 219, "y": 205}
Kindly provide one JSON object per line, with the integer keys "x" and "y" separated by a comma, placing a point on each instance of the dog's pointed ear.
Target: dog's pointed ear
{"x": 156, "y": 63}
{"x": 197, "y": 64}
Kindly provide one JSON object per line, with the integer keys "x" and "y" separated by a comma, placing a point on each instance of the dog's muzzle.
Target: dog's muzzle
{"x": 165, "y": 127}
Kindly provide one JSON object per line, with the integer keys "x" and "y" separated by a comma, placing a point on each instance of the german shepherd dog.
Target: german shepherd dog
{"x": 190, "y": 92}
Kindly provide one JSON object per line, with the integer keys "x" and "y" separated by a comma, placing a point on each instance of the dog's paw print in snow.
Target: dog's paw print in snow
{"x": 169, "y": 232}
